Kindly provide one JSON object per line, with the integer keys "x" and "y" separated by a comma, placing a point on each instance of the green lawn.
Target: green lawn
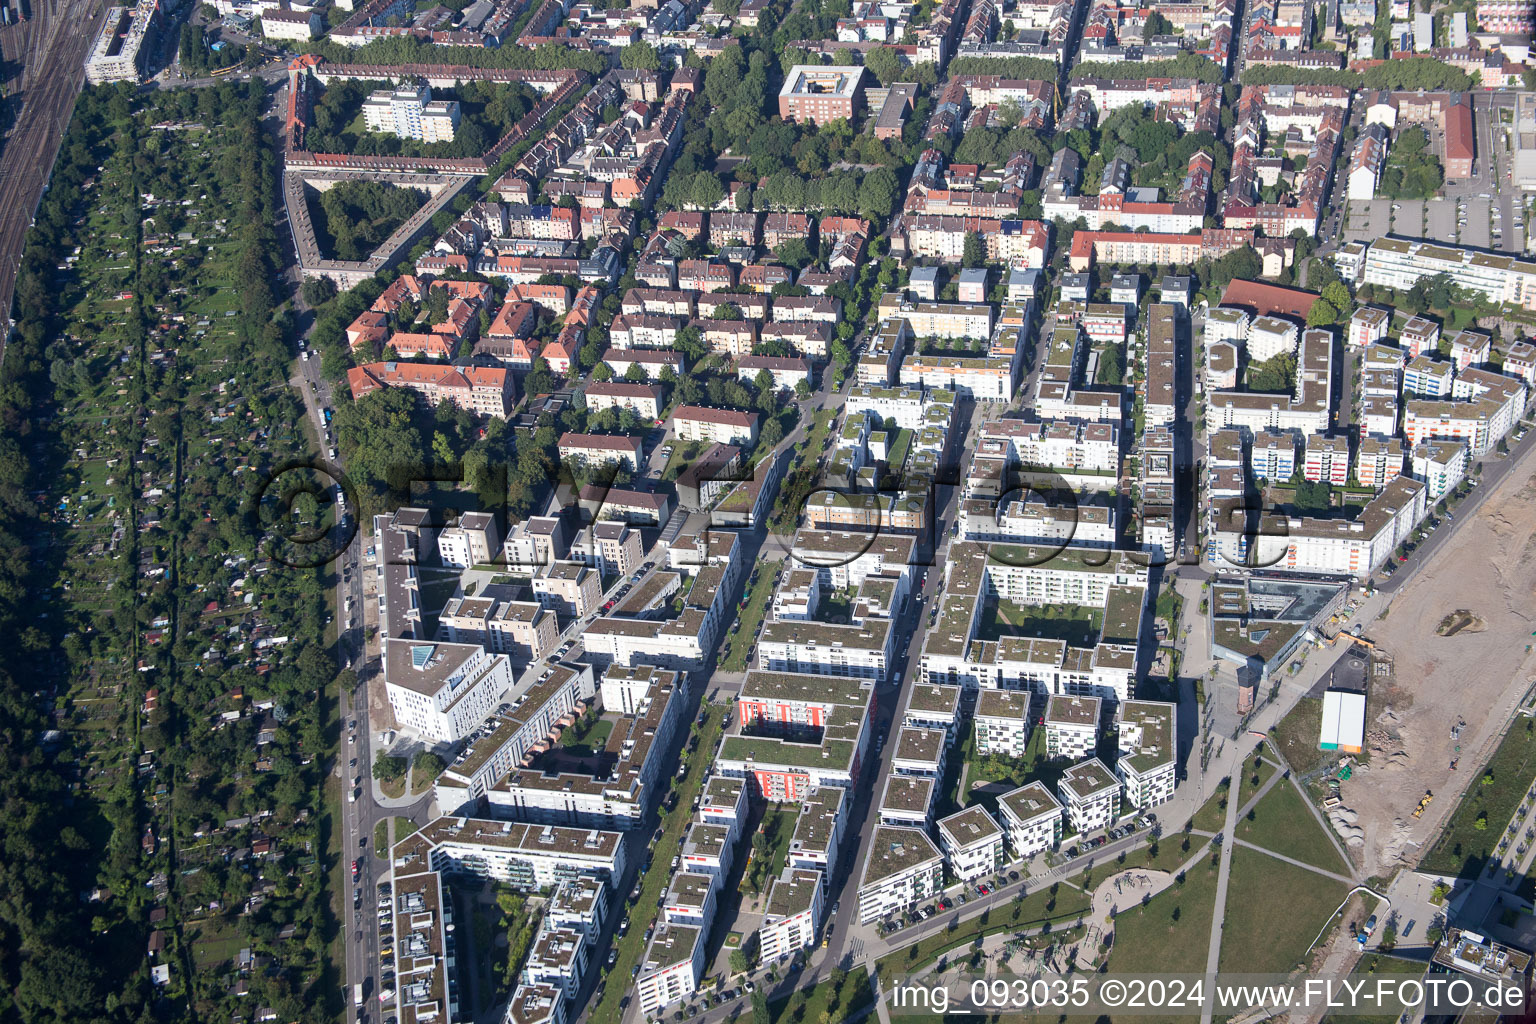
{"x": 1463, "y": 848}
{"x": 582, "y": 742}
{"x": 1253, "y": 778}
{"x": 1283, "y": 824}
{"x": 1171, "y": 934}
{"x": 758, "y": 596}
{"x": 806, "y": 1005}
{"x": 1212, "y": 815}
{"x": 1274, "y": 911}
{"x": 1377, "y": 964}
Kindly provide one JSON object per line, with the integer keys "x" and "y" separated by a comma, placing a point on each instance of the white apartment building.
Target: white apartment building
{"x": 1427, "y": 376}
{"x": 723, "y": 426}
{"x": 443, "y": 691}
{"x": 1148, "y": 740}
{"x": 792, "y": 914}
{"x": 410, "y": 112}
{"x": 828, "y": 648}
{"x": 644, "y": 400}
{"x": 1091, "y": 795}
{"x": 907, "y": 801}
{"x": 526, "y": 857}
{"x": 1378, "y": 461}
{"x": 972, "y": 843}
{"x": 1002, "y": 723}
{"x": 1441, "y": 465}
{"x": 525, "y": 630}
{"x": 940, "y": 319}
{"x": 1031, "y": 817}
{"x": 1072, "y": 726}
{"x": 536, "y": 542}
{"x": 473, "y": 540}
{"x": 1401, "y": 264}
{"x": 672, "y": 967}
{"x": 1367, "y": 326}
{"x": 903, "y": 868}
{"x": 1332, "y": 546}
{"x": 1270, "y": 336}
{"x": 610, "y": 547}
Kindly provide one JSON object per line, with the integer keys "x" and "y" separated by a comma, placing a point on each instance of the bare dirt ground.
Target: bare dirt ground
{"x": 1489, "y": 569}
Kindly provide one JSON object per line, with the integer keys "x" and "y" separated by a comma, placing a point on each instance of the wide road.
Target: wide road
{"x": 44, "y": 67}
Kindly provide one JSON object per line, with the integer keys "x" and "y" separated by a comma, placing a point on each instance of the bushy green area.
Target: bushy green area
{"x": 487, "y": 112}
{"x": 355, "y": 217}
{"x": 147, "y": 383}
{"x": 1411, "y": 170}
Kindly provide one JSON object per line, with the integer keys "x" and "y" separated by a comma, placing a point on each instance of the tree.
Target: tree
{"x": 1322, "y": 314}
{"x": 1156, "y": 25}
{"x": 884, "y": 64}
{"x": 317, "y": 291}
{"x": 389, "y": 769}
{"x": 602, "y": 372}
{"x": 1337, "y": 295}
{"x": 760, "y": 1013}
{"x": 639, "y": 56}
{"x": 1111, "y": 366}
{"x": 974, "y": 252}
{"x": 635, "y": 374}
{"x": 427, "y": 765}
{"x": 794, "y": 253}
{"x": 726, "y": 311}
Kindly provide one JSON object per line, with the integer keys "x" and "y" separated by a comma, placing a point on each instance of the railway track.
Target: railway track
{"x": 45, "y": 58}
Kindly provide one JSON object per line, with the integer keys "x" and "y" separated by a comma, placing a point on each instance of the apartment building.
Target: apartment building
{"x": 1419, "y": 336}
{"x": 722, "y": 426}
{"x": 443, "y": 691}
{"x": 972, "y": 843}
{"x": 482, "y": 390}
{"x": 1091, "y": 795}
{"x": 1441, "y": 465}
{"x": 1367, "y": 326}
{"x": 672, "y": 967}
{"x": 1327, "y": 460}
{"x": 498, "y": 746}
{"x": 410, "y": 112}
{"x": 1331, "y": 546}
{"x": 644, "y": 400}
{"x": 1001, "y": 723}
{"x": 812, "y": 92}
{"x": 1378, "y": 461}
{"x": 1147, "y": 742}
{"x": 525, "y": 630}
{"x": 920, "y": 753}
{"x": 792, "y": 915}
{"x": 1401, "y": 264}
{"x": 612, "y": 548}
{"x": 526, "y": 857}
{"x": 570, "y": 588}
{"x": 907, "y": 801}
{"x": 903, "y": 868}
{"x": 600, "y": 449}
{"x": 1031, "y": 818}
{"x": 1072, "y": 726}
{"x": 1427, "y": 376}
{"x": 473, "y": 540}
{"x": 800, "y": 732}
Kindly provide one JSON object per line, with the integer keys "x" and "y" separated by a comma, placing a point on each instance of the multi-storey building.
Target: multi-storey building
{"x": 443, "y": 691}
{"x": 821, "y": 94}
{"x": 1401, "y": 264}
{"x": 1091, "y": 794}
{"x": 972, "y": 843}
{"x": 482, "y": 390}
{"x": 1147, "y": 744}
{"x": 792, "y": 915}
{"x": 473, "y": 540}
{"x": 1441, "y": 465}
{"x": 1001, "y": 723}
{"x": 1031, "y": 817}
{"x": 1072, "y": 726}
{"x": 903, "y": 868}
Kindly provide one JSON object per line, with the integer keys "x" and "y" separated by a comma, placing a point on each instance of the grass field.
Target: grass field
{"x": 808, "y": 1004}
{"x": 770, "y": 848}
{"x": 1463, "y": 849}
{"x": 1274, "y": 911}
{"x": 1171, "y": 934}
{"x": 1212, "y": 815}
{"x": 1374, "y": 965}
{"x": 1282, "y": 823}
{"x": 1252, "y": 779}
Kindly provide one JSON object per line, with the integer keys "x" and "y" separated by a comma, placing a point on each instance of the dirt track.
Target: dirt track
{"x": 1489, "y": 568}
